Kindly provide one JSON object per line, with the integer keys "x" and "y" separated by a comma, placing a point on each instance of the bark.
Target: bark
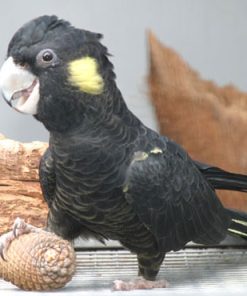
{"x": 20, "y": 193}
{"x": 209, "y": 121}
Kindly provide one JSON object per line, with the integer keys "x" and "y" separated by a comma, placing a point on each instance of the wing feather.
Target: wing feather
{"x": 174, "y": 201}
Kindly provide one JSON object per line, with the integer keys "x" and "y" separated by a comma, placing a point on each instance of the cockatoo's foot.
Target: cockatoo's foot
{"x": 19, "y": 227}
{"x": 139, "y": 283}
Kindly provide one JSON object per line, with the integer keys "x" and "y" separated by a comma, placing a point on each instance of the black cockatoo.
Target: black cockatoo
{"x": 105, "y": 174}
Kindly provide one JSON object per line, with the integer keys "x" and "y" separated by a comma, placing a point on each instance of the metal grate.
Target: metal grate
{"x": 186, "y": 270}
{"x": 190, "y": 267}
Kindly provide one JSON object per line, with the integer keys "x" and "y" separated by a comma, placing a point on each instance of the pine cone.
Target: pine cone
{"x": 38, "y": 261}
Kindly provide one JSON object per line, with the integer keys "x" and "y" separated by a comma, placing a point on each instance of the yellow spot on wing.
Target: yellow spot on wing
{"x": 125, "y": 188}
{"x": 156, "y": 150}
{"x": 140, "y": 156}
{"x": 84, "y": 74}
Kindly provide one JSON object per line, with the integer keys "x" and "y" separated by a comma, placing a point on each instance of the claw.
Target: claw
{"x": 3, "y": 258}
{"x": 5, "y": 240}
{"x": 18, "y": 224}
{"x": 19, "y": 227}
{"x": 15, "y": 231}
{"x": 2, "y": 254}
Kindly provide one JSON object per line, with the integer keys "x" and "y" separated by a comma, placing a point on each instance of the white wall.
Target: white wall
{"x": 210, "y": 34}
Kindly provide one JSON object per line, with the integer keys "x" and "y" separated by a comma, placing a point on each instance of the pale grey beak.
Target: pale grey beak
{"x": 19, "y": 87}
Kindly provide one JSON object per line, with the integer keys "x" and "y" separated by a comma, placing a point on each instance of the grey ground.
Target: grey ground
{"x": 193, "y": 271}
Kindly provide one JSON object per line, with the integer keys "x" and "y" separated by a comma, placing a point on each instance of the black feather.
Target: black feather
{"x": 223, "y": 180}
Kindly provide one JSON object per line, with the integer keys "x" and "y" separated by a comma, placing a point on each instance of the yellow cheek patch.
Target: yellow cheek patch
{"x": 83, "y": 73}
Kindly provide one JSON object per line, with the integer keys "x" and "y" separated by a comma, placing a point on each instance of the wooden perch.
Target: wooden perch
{"x": 20, "y": 193}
